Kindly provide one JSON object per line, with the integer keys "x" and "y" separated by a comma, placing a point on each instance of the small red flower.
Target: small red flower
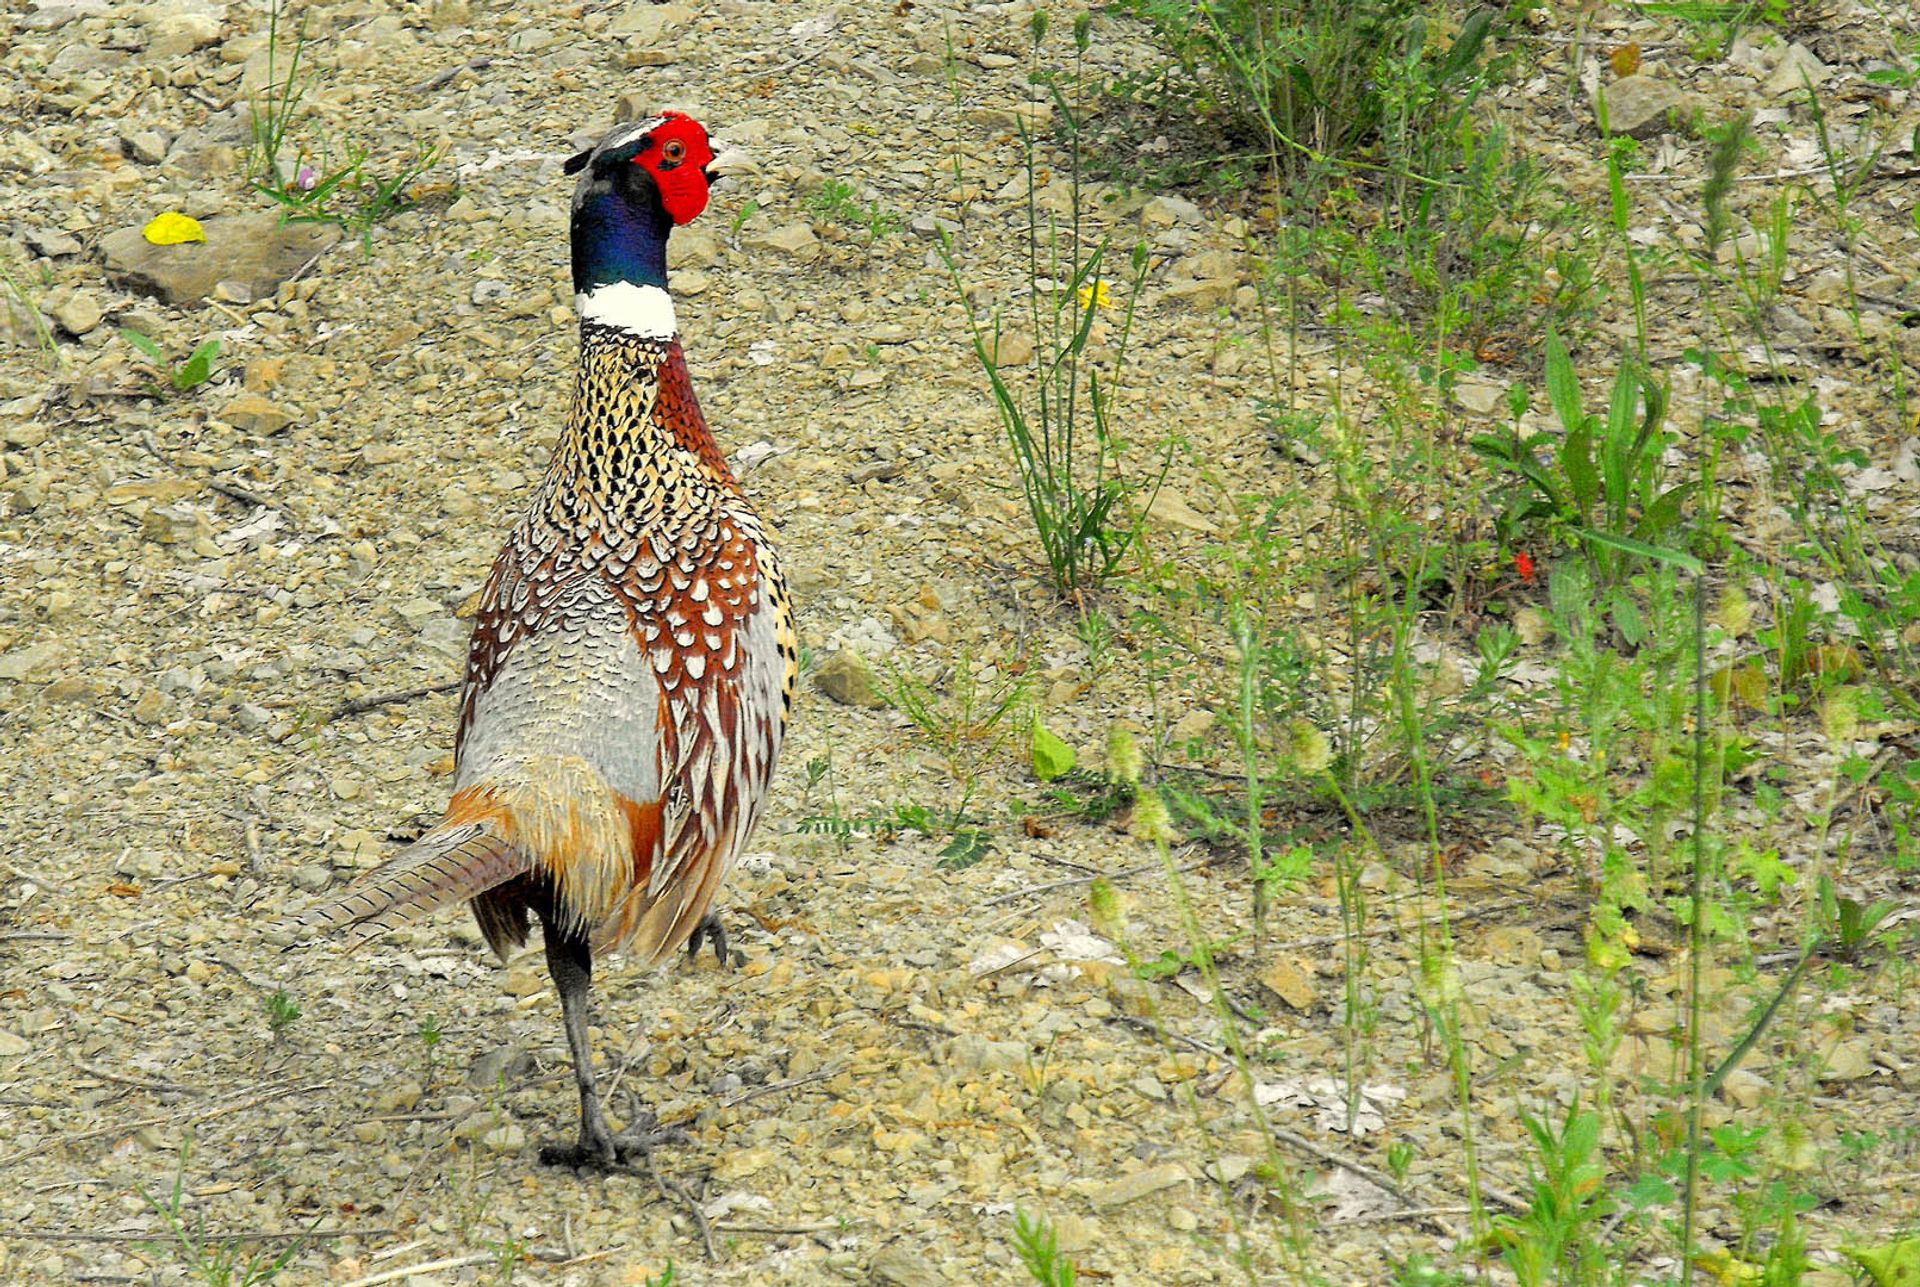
{"x": 1523, "y": 564}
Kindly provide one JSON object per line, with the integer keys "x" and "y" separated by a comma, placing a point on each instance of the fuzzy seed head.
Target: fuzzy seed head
{"x": 1151, "y": 821}
{"x": 1107, "y": 908}
{"x": 1840, "y": 715}
{"x": 1734, "y": 612}
{"x": 1311, "y": 751}
{"x": 1123, "y": 757}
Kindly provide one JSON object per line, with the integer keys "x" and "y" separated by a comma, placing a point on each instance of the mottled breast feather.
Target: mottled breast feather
{"x": 634, "y": 640}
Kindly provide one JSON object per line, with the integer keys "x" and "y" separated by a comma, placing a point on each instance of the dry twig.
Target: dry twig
{"x": 373, "y": 701}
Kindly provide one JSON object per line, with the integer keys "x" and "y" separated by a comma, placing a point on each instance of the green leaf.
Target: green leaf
{"x": 1616, "y": 462}
{"x": 1467, "y": 45}
{"x": 1164, "y": 966}
{"x": 1658, "y": 554}
{"x": 195, "y": 370}
{"x": 1664, "y": 514}
{"x": 145, "y": 343}
{"x": 1495, "y": 447}
{"x": 1563, "y": 387}
{"x": 1648, "y": 1191}
{"x": 1893, "y": 1264}
{"x": 968, "y": 846}
{"x": 1576, "y": 462}
{"x": 1051, "y": 756}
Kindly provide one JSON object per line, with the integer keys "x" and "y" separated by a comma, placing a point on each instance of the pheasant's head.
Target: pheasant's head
{"x": 636, "y": 185}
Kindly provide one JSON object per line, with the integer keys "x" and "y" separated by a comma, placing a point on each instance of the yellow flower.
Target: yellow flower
{"x": 1095, "y": 295}
{"x": 171, "y": 229}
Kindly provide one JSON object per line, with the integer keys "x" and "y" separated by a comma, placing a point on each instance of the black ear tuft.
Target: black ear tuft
{"x": 577, "y": 162}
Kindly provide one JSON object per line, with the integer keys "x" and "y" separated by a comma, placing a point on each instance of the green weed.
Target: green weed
{"x": 1038, "y": 1247}
{"x": 1060, "y": 426}
{"x": 328, "y": 182}
{"x": 282, "y": 1014}
{"x": 969, "y": 723}
{"x": 838, "y": 201}
{"x": 429, "y": 1033}
{"x": 182, "y": 377}
{"x": 1605, "y": 485}
{"x": 1557, "y": 1239}
{"x": 214, "y": 1261}
{"x": 24, "y": 307}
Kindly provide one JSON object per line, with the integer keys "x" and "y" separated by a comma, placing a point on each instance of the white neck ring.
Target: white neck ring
{"x": 646, "y": 311}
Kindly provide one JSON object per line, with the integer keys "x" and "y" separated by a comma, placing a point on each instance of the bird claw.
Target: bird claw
{"x": 714, "y": 933}
{"x": 605, "y": 1151}
{"x": 610, "y": 1152}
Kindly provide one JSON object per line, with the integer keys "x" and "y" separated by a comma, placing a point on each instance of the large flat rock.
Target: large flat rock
{"x": 255, "y": 249}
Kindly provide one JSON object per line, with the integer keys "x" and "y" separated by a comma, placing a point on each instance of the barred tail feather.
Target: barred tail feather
{"x": 449, "y": 864}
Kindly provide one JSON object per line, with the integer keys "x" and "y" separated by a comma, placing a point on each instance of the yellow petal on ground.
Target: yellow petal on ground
{"x": 171, "y": 229}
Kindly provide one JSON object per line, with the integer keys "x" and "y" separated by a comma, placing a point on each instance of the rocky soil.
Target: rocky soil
{"x": 202, "y": 590}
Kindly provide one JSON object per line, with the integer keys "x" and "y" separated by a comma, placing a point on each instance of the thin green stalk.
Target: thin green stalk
{"x": 1246, "y": 733}
{"x": 1203, "y": 961}
{"x": 1447, "y": 1007}
{"x": 1696, "y": 934}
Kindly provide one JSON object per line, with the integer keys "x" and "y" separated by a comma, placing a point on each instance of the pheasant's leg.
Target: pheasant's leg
{"x": 570, "y": 962}
{"x": 713, "y": 932}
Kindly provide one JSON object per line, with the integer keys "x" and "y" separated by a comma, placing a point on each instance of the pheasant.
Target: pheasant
{"x": 632, "y": 664}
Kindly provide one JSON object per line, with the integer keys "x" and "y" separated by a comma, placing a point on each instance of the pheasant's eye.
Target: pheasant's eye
{"x": 674, "y": 150}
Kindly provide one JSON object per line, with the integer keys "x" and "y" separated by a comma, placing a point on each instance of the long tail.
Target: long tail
{"x": 449, "y": 864}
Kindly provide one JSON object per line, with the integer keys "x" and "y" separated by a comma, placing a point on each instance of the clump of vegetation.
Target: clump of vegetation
{"x": 838, "y": 201}
{"x": 211, "y": 1259}
{"x": 282, "y": 1013}
{"x": 1354, "y": 623}
{"x": 1060, "y": 421}
{"x": 328, "y": 180}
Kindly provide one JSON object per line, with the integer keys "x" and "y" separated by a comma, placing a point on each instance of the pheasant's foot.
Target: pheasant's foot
{"x": 602, "y": 1150}
{"x": 713, "y": 932}
{"x": 606, "y": 1151}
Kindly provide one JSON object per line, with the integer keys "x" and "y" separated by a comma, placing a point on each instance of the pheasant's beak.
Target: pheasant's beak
{"x": 728, "y": 160}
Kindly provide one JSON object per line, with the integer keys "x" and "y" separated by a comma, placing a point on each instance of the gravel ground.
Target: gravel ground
{"x": 196, "y": 585}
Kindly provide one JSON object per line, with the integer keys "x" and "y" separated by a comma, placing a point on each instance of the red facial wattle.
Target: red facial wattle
{"x": 677, "y": 156}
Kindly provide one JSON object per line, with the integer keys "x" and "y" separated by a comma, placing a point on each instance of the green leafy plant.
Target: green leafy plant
{"x": 326, "y": 183}
{"x": 1038, "y": 1246}
{"x": 215, "y": 1261}
{"x": 1319, "y": 78}
{"x": 1606, "y": 483}
{"x": 508, "y": 1252}
{"x": 1060, "y": 425}
{"x": 969, "y": 840}
{"x": 429, "y": 1033}
{"x": 282, "y": 1014}
{"x": 1555, "y": 1239}
{"x": 968, "y": 723}
{"x": 195, "y": 370}
{"x": 839, "y": 202}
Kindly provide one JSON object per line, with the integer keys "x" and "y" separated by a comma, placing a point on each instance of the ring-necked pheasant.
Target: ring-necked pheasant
{"x": 633, "y": 661}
